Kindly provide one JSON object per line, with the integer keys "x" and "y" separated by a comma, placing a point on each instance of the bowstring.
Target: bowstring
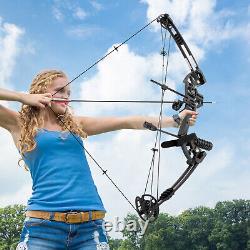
{"x": 165, "y": 64}
{"x": 157, "y": 143}
{"x": 155, "y": 149}
{"x": 83, "y": 72}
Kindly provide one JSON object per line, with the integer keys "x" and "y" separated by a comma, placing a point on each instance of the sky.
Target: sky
{"x": 71, "y": 35}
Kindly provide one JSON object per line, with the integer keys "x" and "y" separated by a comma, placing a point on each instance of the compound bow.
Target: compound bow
{"x": 147, "y": 205}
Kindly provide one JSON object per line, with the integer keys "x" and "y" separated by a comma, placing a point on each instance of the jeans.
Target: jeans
{"x": 40, "y": 234}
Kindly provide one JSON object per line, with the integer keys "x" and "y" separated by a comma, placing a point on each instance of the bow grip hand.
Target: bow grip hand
{"x": 188, "y": 116}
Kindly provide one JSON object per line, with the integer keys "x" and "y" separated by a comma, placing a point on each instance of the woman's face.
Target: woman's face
{"x": 63, "y": 92}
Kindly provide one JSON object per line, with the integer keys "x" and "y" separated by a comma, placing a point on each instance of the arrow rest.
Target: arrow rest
{"x": 177, "y": 105}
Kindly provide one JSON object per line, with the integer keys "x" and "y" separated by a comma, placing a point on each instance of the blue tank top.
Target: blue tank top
{"x": 61, "y": 176}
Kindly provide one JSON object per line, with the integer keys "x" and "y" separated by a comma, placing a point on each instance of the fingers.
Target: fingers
{"x": 186, "y": 112}
{"x": 41, "y": 105}
{"x": 193, "y": 116}
{"x": 46, "y": 99}
{"x": 48, "y": 95}
{"x": 191, "y": 121}
{"x": 190, "y": 112}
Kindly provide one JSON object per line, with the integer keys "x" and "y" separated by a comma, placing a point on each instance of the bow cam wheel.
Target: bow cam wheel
{"x": 147, "y": 207}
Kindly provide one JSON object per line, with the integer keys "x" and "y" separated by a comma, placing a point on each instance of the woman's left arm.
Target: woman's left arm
{"x": 93, "y": 126}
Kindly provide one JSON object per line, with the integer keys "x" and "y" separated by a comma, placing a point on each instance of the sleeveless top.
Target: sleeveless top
{"x": 62, "y": 179}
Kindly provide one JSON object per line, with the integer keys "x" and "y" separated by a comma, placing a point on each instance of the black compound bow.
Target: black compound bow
{"x": 147, "y": 206}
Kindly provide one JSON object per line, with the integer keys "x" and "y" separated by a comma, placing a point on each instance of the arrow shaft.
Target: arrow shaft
{"x": 117, "y": 101}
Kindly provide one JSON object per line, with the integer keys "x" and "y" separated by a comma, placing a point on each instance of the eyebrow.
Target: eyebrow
{"x": 60, "y": 88}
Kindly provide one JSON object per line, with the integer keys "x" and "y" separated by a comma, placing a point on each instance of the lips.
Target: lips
{"x": 62, "y": 103}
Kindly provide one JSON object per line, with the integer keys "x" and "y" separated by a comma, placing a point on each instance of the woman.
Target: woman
{"x": 65, "y": 210}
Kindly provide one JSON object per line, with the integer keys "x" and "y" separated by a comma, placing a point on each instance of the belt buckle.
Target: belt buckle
{"x": 73, "y": 216}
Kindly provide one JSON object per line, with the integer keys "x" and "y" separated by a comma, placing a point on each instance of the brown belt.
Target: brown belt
{"x": 67, "y": 217}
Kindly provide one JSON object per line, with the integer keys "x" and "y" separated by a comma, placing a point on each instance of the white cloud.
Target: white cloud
{"x": 81, "y": 31}
{"x": 57, "y": 13}
{"x": 19, "y": 197}
{"x": 201, "y": 25}
{"x": 96, "y": 5}
{"x": 66, "y": 8}
{"x": 247, "y": 33}
{"x": 15, "y": 180}
{"x": 80, "y": 13}
{"x": 178, "y": 10}
{"x": 123, "y": 76}
{"x": 10, "y": 47}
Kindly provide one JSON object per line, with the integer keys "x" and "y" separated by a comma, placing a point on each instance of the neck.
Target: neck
{"x": 50, "y": 120}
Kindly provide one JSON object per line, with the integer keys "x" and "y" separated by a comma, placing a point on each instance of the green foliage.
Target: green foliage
{"x": 231, "y": 225}
{"x": 226, "y": 227}
{"x": 11, "y": 220}
{"x": 115, "y": 243}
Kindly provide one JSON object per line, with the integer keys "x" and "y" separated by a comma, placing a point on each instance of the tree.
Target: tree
{"x": 114, "y": 244}
{"x": 232, "y": 227}
{"x": 226, "y": 227}
{"x": 11, "y": 220}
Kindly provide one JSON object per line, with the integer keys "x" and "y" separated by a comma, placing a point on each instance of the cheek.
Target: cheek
{"x": 58, "y": 106}
{"x": 55, "y": 105}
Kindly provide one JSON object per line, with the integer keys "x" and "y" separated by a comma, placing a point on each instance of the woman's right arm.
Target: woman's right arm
{"x": 8, "y": 117}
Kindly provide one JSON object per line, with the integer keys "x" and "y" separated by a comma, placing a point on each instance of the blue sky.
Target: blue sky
{"x": 70, "y": 35}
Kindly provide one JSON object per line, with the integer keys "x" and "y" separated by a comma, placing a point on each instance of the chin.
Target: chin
{"x": 59, "y": 110}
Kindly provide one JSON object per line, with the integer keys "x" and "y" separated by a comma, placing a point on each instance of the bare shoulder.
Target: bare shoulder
{"x": 85, "y": 121}
{"x": 99, "y": 125}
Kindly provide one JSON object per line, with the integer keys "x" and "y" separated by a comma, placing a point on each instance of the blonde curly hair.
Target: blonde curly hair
{"x": 32, "y": 118}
